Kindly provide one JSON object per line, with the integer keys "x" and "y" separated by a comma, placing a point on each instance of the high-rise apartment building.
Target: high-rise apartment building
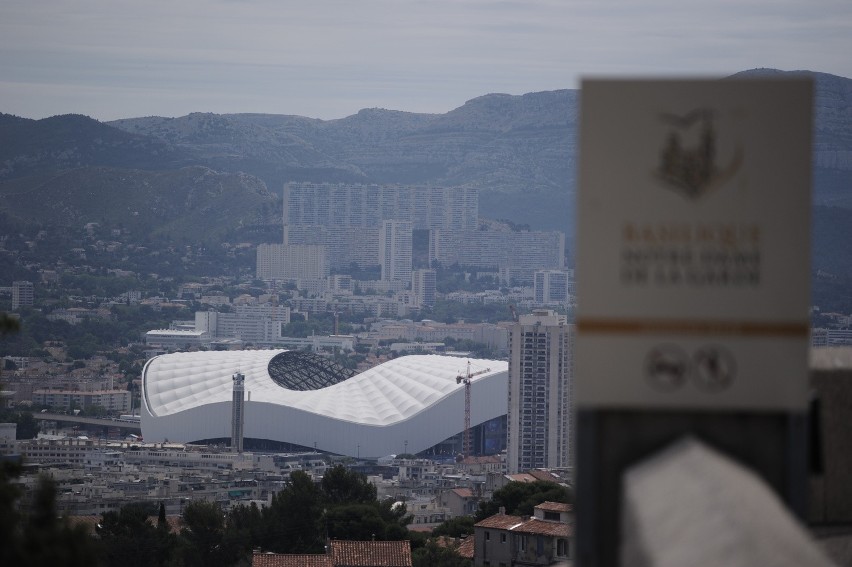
{"x": 291, "y": 262}
{"x": 22, "y": 294}
{"x": 256, "y": 324}
{"x": 347, "y": 217}
{"x": 517, "y": 254}
{"x": 552, "y": 287}
{"x": 540, "y": 412}
{"x": 395, "y": 249}
{"x": 423, "y": 286}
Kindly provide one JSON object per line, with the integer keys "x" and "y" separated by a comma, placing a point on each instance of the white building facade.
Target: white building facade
{"x": 540, "y": 412}
{"x": 423, "y": 286}
{"x": 395, "y": 250}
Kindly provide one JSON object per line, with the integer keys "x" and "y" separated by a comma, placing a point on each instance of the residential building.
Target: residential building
{"x": 395, "y": 249}
{"x": 553, "y": 287}
{"x": 292, "y": 261}
{"x": 348, "y": 217}
{"x": 256, "y": 324}
{"x": 110, "y": 400}
{"x": 517, "y": 255}
{"x": 546, "y": 538}
{"x": 174, "y": 339}
{"x": 22, "y": 294}
{"x": 424, "y": 285}
{"x": 540, "y": 416}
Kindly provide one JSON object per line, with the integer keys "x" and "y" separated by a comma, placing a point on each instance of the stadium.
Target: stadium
{"x": 409, "y": 404}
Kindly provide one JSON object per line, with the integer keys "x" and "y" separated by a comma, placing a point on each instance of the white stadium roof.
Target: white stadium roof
{"x": 411, "y": 401}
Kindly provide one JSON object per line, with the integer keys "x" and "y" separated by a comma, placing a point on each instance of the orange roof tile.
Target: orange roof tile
{"x": 500, "y": 522}
{"x": 466, "y": 547}
{"x": 290, "y": 560}
{"x": 555, "y": 507}
{"x": 545, "y": 527}
{"x": 371, "y": 553}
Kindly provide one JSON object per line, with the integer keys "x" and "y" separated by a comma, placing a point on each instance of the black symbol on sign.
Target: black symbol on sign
{"x": 714, "y": 369}
{"x": 666, "y": 368}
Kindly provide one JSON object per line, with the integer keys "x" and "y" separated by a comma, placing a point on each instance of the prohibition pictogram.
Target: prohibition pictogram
{"x": 668, "y": 367}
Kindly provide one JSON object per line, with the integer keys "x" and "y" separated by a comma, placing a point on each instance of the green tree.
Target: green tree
{"x": 243, "y": 530}
{"x": 341, "y": 485}
{"x": 356, "y": 522}
{"x": 204, "y": 531}
{"x": 48, "y": 540}
{"x": 435, "y": 555}
{"x": 519, "y": 498}
{"x": 130, "y": 539}
{"x": 293, "y": 521}
{"x": 455, "y": 527}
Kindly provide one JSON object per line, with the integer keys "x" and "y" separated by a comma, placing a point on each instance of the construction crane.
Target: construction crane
{"x": 465, "y": 378}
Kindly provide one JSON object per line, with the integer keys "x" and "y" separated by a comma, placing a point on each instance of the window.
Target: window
{"x": 503, "y": 538}
{"x": 562, "y": 547}
{"x": 487, "y": 536}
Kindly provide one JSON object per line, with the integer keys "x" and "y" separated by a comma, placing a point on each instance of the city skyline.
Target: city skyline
{"x": 328, "y": 60}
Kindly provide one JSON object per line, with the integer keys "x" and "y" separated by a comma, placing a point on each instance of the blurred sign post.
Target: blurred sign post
{"x": 693, "y": 282}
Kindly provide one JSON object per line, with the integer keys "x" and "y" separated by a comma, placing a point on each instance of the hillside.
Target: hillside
{"x": 508, "y": 146}
{"x": 519, "y": 150}
{"x": 192, "y": 203}
{"x": 36, "y": 147}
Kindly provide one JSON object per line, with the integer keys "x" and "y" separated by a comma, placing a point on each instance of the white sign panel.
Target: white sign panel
{"x": 693, "y": 256}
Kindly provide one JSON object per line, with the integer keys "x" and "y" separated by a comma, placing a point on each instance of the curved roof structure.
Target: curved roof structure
{"x": 300, "y": 398}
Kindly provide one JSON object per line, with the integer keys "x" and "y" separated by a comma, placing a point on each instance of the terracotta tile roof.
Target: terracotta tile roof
{"x": 466, "y": 547}
{"x": 500, "y": 522}
{"x": 483, "y": 460}
{"x": 463, "y": 545}
{"x": 555, "y": 507}
{"x": 463, "y": 492}
{"x": 545, "y": 527}
{"x": 521, "y": 477}
{"x": 545, "y": 475}
{"x": 371, "y": 553}
{"x": 290, "y": 560}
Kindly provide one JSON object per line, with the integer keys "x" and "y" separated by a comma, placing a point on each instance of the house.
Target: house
{"x": 343, "y": 554}
{"x": 546, "y": 538}
{"x": 459, "y": 501}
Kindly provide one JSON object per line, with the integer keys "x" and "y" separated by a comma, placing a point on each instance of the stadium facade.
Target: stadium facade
{"x": 409, "y": 404}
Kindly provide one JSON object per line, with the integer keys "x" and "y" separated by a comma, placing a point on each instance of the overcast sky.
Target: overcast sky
{"x": 329, "y": 58}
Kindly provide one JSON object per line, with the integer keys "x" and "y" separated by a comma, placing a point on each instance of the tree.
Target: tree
{"x": 292, "y": 523}
{"x": 341, "y": 485}
{"x": 519, "y": 498}
{"x": 204, "y": 530}
{"x": 129, "y": 538}
{"x": 46, "y": 539}
{"x": 455, "y": 527}
{"x": 435, "y": 555}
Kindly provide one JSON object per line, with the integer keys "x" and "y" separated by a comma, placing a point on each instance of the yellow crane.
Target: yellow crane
{"x": 465, "y": 378}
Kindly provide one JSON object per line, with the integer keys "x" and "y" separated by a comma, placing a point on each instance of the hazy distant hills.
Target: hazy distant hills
{"x": 519, "y": 150}
{"x": 509, "y": 146}
{"x": 34, "y": 147}
{"x": 193, "y": 203}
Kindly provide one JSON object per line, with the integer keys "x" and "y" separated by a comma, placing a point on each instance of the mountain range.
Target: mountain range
{"x": 520, "y": 151}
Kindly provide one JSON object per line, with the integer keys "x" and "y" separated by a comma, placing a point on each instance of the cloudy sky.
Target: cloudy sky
{"x": 329, "y": 58}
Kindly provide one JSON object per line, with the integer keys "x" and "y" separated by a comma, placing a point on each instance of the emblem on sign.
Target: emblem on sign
{"x": 692, "y": 170}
